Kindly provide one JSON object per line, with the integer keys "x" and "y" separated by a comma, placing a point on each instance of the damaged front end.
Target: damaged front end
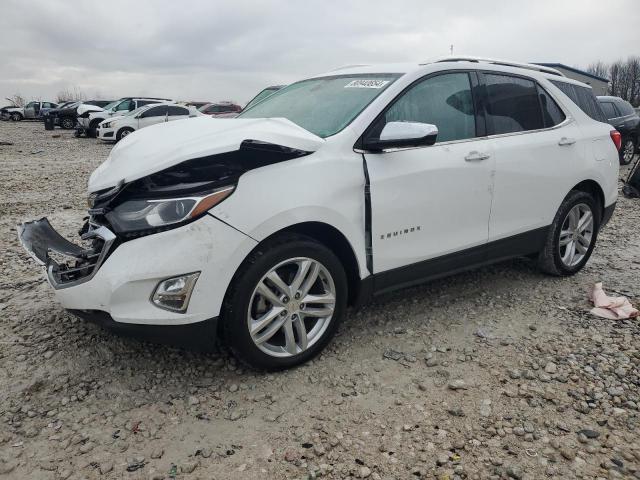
{"x": 67, "y": 264}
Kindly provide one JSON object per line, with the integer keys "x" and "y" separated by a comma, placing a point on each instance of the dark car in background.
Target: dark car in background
{"x": 221, "y": 109}
{"x": 623, "y": 117}
{"x": 66, "y": 115}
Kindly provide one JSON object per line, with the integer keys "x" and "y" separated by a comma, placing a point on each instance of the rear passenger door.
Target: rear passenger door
{"x": 537, "y": 150}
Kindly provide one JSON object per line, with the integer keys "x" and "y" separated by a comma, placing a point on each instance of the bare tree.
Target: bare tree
{"x": 599, "y": 69}
{"x": 70, "y": 94}
{"x": 623, "y": 75}
{"x": 17, "y": 100}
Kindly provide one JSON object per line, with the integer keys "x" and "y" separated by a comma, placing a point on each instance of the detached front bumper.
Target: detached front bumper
{"x": 118, "y": 278}
{"x": 39, "y": 238}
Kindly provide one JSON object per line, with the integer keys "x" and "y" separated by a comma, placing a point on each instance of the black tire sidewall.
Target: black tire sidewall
{"x": 237, "y": 304}
{"x": 575, "y": 198}
{"x": 119, "y": 135}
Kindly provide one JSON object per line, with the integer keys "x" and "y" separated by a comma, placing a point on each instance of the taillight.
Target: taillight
{"x": 617, "y": 139}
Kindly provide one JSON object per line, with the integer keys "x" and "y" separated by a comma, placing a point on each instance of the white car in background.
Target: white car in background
{"x": 116, "y": 128}
{"x": 90, "y": 116}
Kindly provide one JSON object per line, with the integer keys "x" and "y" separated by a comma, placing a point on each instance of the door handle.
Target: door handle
{"x": 564, "y": 141}
{"x": 476, "y": 156}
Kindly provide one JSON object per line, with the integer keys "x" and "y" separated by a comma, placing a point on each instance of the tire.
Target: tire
{"x": 123, "y": 132}
{"x": 15, "y": 117}
{"x": 554, "y": 258}
{"x": 244, "y": 303}
{"x": 67, "y": 123}
{"x": 627, "y": 151}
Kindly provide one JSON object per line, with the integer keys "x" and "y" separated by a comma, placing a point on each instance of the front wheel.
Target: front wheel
{"x": 627, "y": 151}
{"x": 285, "y": 303}
{"x": 572, "y": 235}
{"x": 67, "y": 123}
{"x": 16, "y": 117}
{"x": 123, "y": 132}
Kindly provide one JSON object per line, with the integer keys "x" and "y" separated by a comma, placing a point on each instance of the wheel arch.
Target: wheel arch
{"x": 594, "y": 189}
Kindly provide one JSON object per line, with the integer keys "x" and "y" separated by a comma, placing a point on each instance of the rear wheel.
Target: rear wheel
{"x": 67, "y": 123}
{"x": 572, "y": 235}
{"x": 285, "y": 303}
{"x": 16, "y": 117}
{"x": 627, "y": 151}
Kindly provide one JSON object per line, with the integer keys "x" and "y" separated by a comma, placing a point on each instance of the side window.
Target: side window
{"x": 175, "y": 111}
{"x": 444, "y": 101}
{"x": 552, "y": 114}
{"x": 512, "y": 104}
{"x": 213, "y": 109}
{"x": 609, "y": 109}
{"x": 30, "y": 105}
{"x": 142, "y": 103}
{"x": 159, "y": 111}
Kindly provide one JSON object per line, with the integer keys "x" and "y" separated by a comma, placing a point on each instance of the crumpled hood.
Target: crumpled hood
{"x": 161, "y": 146}
{"x": 83, "y": 108}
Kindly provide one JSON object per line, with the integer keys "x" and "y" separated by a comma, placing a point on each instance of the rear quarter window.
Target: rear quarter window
{"x": 583, "y": 97}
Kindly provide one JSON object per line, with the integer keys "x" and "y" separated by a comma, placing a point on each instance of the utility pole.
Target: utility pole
{"x": 451, "y": 49}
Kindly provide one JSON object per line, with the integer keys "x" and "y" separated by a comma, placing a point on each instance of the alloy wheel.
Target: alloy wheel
{"x": 291, "y": 307}
{"x": 67, "y": 123}
{"x": 628, "y": 151}
{"x": 576, "y": 235}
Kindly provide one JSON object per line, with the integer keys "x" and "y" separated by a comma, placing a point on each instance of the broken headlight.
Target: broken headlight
{"x": 145, "y": 214}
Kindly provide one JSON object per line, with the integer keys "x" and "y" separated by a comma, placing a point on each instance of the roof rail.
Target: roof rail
{"x": 506, "y": 63}
{"x": 344, "y": 67}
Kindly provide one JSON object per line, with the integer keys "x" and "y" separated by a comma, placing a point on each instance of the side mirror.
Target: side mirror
{"x": 403, "y": 134}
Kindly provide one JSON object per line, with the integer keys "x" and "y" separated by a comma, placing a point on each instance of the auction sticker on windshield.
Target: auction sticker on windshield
{"x": 366, "y": 83}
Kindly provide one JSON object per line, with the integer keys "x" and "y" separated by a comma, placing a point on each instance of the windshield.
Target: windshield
{"x": 324, "y": 106}
{"x": 111, "y": 105}
{"x": 262, "y": 95}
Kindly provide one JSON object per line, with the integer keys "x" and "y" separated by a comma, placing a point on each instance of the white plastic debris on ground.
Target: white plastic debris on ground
{"x": 614, "y": 308}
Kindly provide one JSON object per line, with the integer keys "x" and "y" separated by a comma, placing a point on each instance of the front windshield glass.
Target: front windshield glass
{"x": 109, "y": 106}
{"x": 325, "y": 105}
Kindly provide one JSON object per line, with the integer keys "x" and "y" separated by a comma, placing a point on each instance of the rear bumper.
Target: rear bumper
{"x": 201, "y": 335}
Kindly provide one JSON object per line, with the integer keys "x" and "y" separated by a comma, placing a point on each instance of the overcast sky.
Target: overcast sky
{"x": 214, "y": 50}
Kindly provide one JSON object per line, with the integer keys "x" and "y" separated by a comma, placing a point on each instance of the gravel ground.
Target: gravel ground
{"x": 496, "y": 373}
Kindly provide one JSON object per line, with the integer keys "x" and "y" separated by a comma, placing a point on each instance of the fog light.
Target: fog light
{"x": 174, "y": 293}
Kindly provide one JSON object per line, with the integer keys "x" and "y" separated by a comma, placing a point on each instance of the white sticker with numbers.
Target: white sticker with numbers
{"x": 366, "y": 83}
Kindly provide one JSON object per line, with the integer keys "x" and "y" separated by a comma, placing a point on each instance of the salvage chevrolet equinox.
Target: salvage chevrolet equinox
{"x": 264, "y": 228}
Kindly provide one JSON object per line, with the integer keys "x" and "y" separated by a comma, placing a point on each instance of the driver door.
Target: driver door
{"x": 430, "y": 203}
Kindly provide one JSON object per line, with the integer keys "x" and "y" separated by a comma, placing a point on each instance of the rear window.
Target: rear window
{"x": 552, "y": 114}
{"x": 609, "y": 109}
{"x": 583, "y": 97}
{"x": 625, "y": 108}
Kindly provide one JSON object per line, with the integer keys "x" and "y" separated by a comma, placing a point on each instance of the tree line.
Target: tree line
{"x": 623, "y": 75}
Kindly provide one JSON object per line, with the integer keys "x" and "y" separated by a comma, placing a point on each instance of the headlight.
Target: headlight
{"x": 134, "y": 215}
{"x": 106, "y": 125}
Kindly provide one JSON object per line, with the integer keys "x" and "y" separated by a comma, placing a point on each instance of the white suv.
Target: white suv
{"x": 116, "y": 128}
{"x": 342, "y": 186}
